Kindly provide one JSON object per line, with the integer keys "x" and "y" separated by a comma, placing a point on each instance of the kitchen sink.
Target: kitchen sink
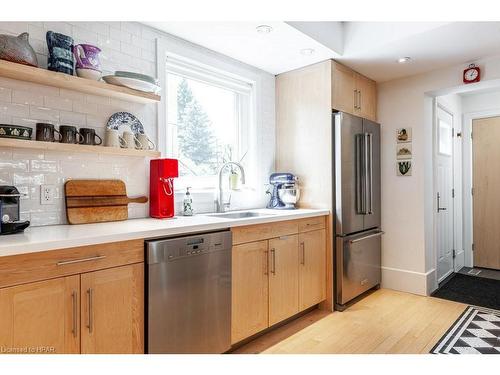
{"x": 240, "y": 215}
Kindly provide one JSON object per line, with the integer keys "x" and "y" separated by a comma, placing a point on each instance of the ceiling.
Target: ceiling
{"x": 371, "y": 48}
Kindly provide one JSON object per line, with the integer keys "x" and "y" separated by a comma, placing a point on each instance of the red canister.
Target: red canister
{"x": 161, "y": 187}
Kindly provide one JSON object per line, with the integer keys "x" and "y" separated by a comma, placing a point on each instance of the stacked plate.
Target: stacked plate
{"x": 136, "y": 81}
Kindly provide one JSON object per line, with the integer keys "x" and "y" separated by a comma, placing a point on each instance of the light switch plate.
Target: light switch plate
{"x": 47, "y": 194}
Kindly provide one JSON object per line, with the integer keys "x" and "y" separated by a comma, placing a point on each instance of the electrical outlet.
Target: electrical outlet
{"x": 47, "y": 194}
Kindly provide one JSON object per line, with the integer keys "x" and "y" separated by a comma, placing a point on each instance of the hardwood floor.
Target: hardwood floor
{"x": 386, "y": 321}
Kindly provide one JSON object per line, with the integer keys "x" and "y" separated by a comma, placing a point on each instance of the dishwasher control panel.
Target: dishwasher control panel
{"x": 170, "y": 249}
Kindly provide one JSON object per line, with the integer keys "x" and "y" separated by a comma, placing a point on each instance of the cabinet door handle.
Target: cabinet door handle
{"x": 266, "y": 263}
{"x": 90, "y": 322}
{"x": 72, "y": 261}
{"x": 74, "y": 301}
{"x": 359, "y": 99}
{"x": 273, "y": 258}
{"x": 303, "y": 248}
{"x": 355, "y": 99}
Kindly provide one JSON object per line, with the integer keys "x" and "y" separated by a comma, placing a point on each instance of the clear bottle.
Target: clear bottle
{"x": 187, "y": 204}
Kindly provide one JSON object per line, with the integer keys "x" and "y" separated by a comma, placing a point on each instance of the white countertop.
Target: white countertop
{"x": 36, "y": 239}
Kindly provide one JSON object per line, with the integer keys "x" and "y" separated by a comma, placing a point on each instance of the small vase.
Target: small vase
{"x": 60, "y": 53}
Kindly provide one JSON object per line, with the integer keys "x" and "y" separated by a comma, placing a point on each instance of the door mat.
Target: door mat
{"x": 476, "y": 331}
{"x": 471, "y": 290}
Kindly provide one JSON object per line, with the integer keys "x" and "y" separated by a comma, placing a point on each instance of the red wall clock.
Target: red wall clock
{"x": 472, "y": 74}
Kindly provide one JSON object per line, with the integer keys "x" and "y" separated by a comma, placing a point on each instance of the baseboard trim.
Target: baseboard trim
{"x": 408, "y": 281}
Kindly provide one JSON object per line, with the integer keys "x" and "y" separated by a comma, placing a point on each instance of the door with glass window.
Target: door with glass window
{"x": 444, "y": 209}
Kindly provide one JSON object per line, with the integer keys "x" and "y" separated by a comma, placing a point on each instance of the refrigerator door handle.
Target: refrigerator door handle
{"x": 378, "y": 234}
{"x": 367, "y": 187}
{"x": 360, "y": 194}
{"x": 370, "y": 142}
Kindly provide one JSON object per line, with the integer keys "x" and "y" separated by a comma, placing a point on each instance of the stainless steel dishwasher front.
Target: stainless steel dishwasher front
{"x": 189, "y": 294}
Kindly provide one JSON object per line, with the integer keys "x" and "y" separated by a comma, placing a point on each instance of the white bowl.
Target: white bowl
{"x": 89, "y": 73}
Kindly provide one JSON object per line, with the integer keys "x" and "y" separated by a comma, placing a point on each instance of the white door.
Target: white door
{"x": 443, "y": 194}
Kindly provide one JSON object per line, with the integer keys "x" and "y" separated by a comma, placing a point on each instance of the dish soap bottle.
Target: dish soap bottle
{"x": 187, "y": 204}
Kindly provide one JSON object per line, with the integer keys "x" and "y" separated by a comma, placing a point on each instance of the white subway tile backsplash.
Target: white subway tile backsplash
{"x": 44, "y": 113}
{"x": 121, "y": 35}
{"x": 85, "y": 107}
{"x": 5, "y": 94}
{"x": 14, "y": 165}
{"x": 58, "y": 27}
{"x": 72, "y": 118}
{"x": 27, "y": 179}
{"x": 5, "y": 178}
{"x": 45, "y": 166}
{"x": 13, "y": 109}
{"x": 27, "y": 97}
{"x": 56, "y": 102}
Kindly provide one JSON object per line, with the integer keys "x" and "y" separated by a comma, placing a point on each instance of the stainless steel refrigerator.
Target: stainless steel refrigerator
{"x": 356, "y": 192}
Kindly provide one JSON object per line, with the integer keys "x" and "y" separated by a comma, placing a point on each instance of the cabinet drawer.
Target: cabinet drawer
{"x": 24, "y": 268}
{"x": 312, "y": 223}
{"x": 259, "y": 232}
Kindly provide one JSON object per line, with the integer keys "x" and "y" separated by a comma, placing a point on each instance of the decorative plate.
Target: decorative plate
{"x": 14, "y": 131}
{"x": 121, "y": 119}
{"x": 142, "y": 77}
{"x": 132, "y": 83}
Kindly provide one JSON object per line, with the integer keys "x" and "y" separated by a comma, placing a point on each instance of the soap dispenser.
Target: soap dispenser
{"x": 187, "y": 204}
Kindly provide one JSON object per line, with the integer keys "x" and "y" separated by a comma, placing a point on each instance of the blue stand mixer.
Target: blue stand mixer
{"x": 285, "y": 192}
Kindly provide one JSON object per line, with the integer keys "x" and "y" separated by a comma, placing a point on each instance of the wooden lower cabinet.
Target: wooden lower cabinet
{"x": 113, "y": 310}
{"x": 312, "y": 268}
{"x": 250, "y": 293}
{"x": 276, "y": 278}
{"x": 41, "y": 317}
{"x": 283, "y": 278}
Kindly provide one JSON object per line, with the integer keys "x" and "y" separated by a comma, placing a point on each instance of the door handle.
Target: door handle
{"x": 74, "y": 301}
{"x": 273, "y": 259}
{"x": 367, "y": 181}
{"x": 378, "y": 234}
{"x": 303, "y": 248}
{"x": 266, "y": 263}
{"x": 355, "y": 99}
{"x": 90, "y": 322}
{"x": 73, "y": 261}
{"x": 359, "y": 99}
{"x": 438, "y": 204}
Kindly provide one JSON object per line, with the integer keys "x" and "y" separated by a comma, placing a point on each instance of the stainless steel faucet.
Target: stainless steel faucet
{"x": 220, "y": 205}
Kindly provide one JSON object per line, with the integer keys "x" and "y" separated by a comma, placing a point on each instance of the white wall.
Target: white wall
{"x": 407, "y": 202}
{"x": 125, "y": 46}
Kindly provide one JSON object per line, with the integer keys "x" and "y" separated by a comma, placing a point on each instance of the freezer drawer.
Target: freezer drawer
{"x": 358, "y": 264}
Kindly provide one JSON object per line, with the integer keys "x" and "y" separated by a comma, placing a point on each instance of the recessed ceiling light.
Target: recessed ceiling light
{"x": 264, "y": 29}
{"x": 403, "y": 60}
{"x": 307, "y": 51}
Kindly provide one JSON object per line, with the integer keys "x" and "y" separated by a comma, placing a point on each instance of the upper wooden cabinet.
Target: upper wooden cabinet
{"x": 41, "y": 317}
{"x": 353, "y": 93}
{"x": 112, "y": 310}
{"x": 344, "y": 93}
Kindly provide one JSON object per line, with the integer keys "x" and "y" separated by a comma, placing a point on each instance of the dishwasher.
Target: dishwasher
{"x": 189, "y": 294}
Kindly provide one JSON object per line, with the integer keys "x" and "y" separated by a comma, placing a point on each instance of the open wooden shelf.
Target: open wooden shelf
{"x": 46, "y": 77}
{"x": 66, "y": 147}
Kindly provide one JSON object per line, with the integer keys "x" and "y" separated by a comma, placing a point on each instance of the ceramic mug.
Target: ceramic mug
{"x": 69, "y": 134}
{"x": 113, "y": 138}
{"x": 46, "y": 132}
{"x": 60, "y": 53}
{"x": 144, "y": 142}
{"x": 89, "y": 137}
{"x": 130, "y": 140}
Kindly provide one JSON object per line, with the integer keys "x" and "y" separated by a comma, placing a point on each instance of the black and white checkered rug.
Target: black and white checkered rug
{"x": 476, "y": 331}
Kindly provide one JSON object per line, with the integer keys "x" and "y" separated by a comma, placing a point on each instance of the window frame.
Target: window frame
{"x": 245, "y": 102}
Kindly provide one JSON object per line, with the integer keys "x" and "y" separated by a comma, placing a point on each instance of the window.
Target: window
{"x": 208, "y": 115}
{"x": 445, "y": 129}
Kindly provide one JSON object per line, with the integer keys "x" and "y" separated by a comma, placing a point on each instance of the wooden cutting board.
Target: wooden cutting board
{"x": 95, "y": 201}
